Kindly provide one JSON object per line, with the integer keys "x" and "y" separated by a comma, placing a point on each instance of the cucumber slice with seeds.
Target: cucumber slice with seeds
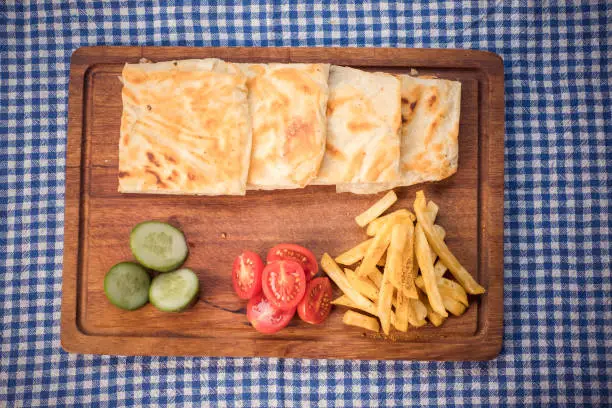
{"x": 158, "y": 246}
{"x": 126, "y": 285}
{"x": 174, "y": 291}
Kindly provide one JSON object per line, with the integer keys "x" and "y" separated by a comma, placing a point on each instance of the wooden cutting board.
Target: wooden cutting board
{"x": 98, "y": 221}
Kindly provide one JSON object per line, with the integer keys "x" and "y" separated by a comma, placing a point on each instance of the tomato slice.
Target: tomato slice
{"x": 266, "y": 318}
{"x": 284, "y": 284}
{"x": 316, "y": 304}
{"x": 295, "y": 253}
{"x": 246, "y": 274}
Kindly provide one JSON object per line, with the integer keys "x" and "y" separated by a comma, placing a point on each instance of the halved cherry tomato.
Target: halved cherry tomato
{"x": 284, "y": 284}
{"x": 246, "y": 274}
{"x": 266, "y": 318}
{"x": 295, "y": 253}
{"x": 316, "y": 304}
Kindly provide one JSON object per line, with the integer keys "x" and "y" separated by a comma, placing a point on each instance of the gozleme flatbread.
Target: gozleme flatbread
{"x": 363, "y": 121}
{"x": 429, "y": 134}
{"x": 185, "y": 128}
{"x": 430, "y": 129}
{"x": 287, "y": 105}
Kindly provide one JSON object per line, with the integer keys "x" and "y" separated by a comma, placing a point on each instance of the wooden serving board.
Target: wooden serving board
{"x": 98, "y": 221}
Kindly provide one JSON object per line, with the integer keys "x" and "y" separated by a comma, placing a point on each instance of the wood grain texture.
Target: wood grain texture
{"x": 98, "y": 220}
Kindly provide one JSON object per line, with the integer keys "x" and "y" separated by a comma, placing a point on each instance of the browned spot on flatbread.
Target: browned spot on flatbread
{"x": 432, "y": 100}
{"x": 123, "y": 174}
{"x": 335, "y": 103}
{"x": 158, "y": 179}
{"x": 299, "y": 138}
{"x": 170, "y": 158}
{"x": 430, "y": 132}
{"x": 360, "y": 126}
{"x": 152, "y": 159}
{"x": 437, "y": 147}
{"x": 191, "y": 176}
{"x": 126, "y": 139}
{"x": 332, "y": 151}
{"x": 413, "y": 105}
{"x": 297, "y": 79}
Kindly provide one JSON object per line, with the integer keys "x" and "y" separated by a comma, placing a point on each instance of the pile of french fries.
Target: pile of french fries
{"x": 414, "y": 259}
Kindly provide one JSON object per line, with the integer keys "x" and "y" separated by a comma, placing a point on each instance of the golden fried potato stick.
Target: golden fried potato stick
{"x": 357, "y": 319}
{"x": 409, "y": 265}
{"x": 377, "y": 209}
{"x": 456, "y": 308}
{"x": 433, "y": 317}
{"x": 375, "y": 251}
{"x": 383, "y": 260}
{"x": 362, "y": 285}
{"x": 441, "y": 232}
{"x": 354, "y": 254}
{"x": 458, "y": 271}
{"x": 385, "y": 301}
{"x": 448, "y": 288}
{"x": 335, "y": 273}
{"x": 401, "y": 312}
{"x": 376, "y": 278}
{"x": 440, "y": 269}
{"x": 395, "y": 217}
{"x": 426, "y": 267}
{"x": 343, "y": 300}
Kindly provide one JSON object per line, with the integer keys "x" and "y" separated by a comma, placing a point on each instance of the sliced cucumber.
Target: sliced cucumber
{"x": 174, "y": 291}
{"x": 158, "y": 246}
{"x": 126, "y": 285}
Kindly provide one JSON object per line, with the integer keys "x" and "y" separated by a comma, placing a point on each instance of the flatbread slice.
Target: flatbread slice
{"x": 363, "y": 121}
{"x": 429, "y": 134}
{"x": 430, "y": 129}
{"x": 287, "y": 103}
{"x": 185, "y": 128}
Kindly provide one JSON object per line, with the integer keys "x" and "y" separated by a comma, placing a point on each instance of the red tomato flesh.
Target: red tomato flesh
{"x": 266, "y": 318}
{"x": 284, "y": 284}
{"x": 246, "y": 274}
{"x": 295, "y": 253}
{"x": 316, "y": 304}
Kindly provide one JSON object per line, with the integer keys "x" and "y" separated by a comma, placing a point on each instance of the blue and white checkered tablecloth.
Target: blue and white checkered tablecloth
{"x": 558, "y": 152}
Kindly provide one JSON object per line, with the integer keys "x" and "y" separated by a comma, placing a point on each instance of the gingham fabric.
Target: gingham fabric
{"x": 558, "y": 157}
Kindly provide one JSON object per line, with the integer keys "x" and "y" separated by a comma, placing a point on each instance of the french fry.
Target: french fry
{"x": 395, "y": 217}
{"x": 376, "y": 249}
{"x": 448, "y": 289}
{"x": 377, "y": 209}
{"x": 335, "y": 273}
{"x": 452, "y": 289}
{"x": 409, "y": 266}
{"x": 433, "y": 317}
{"x": 456, "y": 308}
{"x": 362, "y": 285}
{"x": 440, "y": 269}
{"x": 416, "y": 313}
{"x": 441, "y": 232}
{"x": 343, "y": 300}
{"x": 400, "y": 275}
{"x": 376, "y": 278}
{"x": 447, "y": 257}
{"x": 426, "y": 267}
{"x": 355, "y": 254}
{"x": 357, "y": 319}
{"x": 401, "y": 313}
{"x": 431, "y": 212}
{"x": 385, "y": 299}
{"x": 383, "y": 260}
{"x": 347, "y": 302}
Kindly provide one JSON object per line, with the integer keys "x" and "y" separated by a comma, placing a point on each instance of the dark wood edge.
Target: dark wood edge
{"x": 486, "y": 345}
